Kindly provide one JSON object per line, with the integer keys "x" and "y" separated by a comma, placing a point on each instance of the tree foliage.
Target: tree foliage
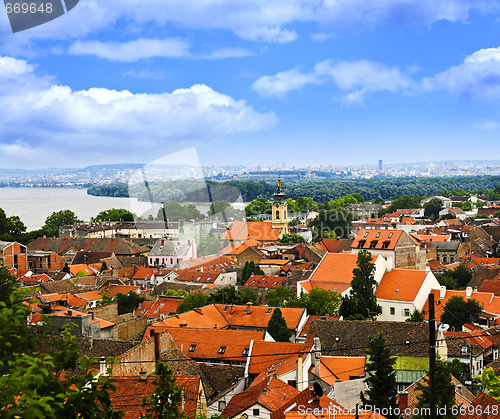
{"x": 165, "y": 402}
{"x": 444, "y": 392}
{"x": 331, "y": 221}
{"x": 114, "y": 214}
{"x": 278, "y": 328}
{"x": 361, "y": 300}
{"x": 318, "y": 302}
{"x": 380, "y": 377}
{"x": 129, "y": 302}
{"x": 249, "y": 268}
{"x": 457, "y": 311}
{"x": 7, "y": 285}
{"x": 57, "y": 219}
{"x": 191, "y": 301}
{"x": 490, "y": 382}
{"x": 432, "y": 208}
{"x": 230, "y": 295}
{"x": 404, "y": 202}
{"x": 279, "y": 296}
{"x": 173, "y": 211}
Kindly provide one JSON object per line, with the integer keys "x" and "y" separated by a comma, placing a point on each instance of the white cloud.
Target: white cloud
{"x": 258, "y": 20}
{"x": 146, "y": 74}
{"x": 132, "y": 50}
{"x": 355, "y": 78}
{"x": 282, "y": 83}
{"x": 478, "y": 77}
{"x": 487, "y": 126}
{"x": 80, "y": 125}
{"x": 225, "y": 53}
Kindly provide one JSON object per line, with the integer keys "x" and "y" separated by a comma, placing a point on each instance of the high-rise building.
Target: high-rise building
{"x": 380, "y": 165}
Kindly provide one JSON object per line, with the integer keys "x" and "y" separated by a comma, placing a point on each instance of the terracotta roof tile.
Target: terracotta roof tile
{"x": 400, "y": 284}
{"x": 262, "y": 281}
{"x": 376, "y": 239}
{"x": 265, "y": 354}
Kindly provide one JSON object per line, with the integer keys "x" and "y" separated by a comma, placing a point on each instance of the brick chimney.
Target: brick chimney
{"x": 403, "y": 401}
{"x": 249, "y": 307}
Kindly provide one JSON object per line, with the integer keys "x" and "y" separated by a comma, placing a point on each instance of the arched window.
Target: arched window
{"x": 277, "y": 214}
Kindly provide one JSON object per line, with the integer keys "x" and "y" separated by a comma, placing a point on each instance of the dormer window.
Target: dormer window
{"x": 361, "y": 243}
{"x": 192, "y": 347}
{"x": 225, "y": 308}
{"x": 246, "y": 351}
{"x": 222, "y": 349}
{"x": 269, "y": 310}
{"x": 373, "y": 244}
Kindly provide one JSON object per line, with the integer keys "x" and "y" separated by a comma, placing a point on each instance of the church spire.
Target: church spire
{"x": 279, "y": 195}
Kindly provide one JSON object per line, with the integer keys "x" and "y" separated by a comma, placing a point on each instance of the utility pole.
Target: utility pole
{"x": 432, "y": 357}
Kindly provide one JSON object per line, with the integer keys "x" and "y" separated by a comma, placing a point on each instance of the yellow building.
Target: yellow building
{"x": 279, "y": 211}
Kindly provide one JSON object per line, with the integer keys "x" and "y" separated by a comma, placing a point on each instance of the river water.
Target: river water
{"x": 34, "y": 205}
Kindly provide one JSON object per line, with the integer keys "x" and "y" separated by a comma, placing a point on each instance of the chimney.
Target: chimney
{"x": 70, "y": 313}
{"x": 403, "y": 401}
{"x": 157, "y": 346}
{"x": 163, "y": 242}
{"x": 468, "y": 292}
{"x": 442, "y": 291}
{"x": 92, "y": 314}
{"x": 102, "y": 365}
{"x": 298, "y": 374}
{"x": 317, "y": 354}
{"x": 143, "y": 376}
{"x": 249, "y": 307}
{"x": 231, "y": 310}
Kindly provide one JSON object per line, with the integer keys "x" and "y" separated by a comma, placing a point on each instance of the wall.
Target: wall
{"x": 107, "y": 312}
{"x": 131, "y": 328}
{"x": 142, "y": 357}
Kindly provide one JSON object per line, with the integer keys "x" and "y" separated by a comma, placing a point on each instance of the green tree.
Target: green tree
{"x": 11, "y": 228}
{"x": 292, "y": 238}
{"x": 462, "y": 275}
{"x": 416, "y": 316}
{"x": 332, "y": 221}
{"x": 460, "y": 370}
{"x": 218, "y": 206}
{"x": 66, "y": 268}
{"x": 165, "y": 402}
{"x": 404, "y": 202}
{"x": 432, "y": 208}
{"x": 305, "y": 203}
{"x": 230, "y": 295}
{"x": 361, "y": 300}
{"x": 279, "y": 296}
{"x": 249, "y": 268}
{"x": 457, "y": 311}
{"x": 191, "y": 301}
{"x": 31, "y": 385}
{"x": 173, "y": 211}
{"x": 318, "y": 302}
{"x": 258, "y": 206}
{"x": 57, "y": 219}
{"x": 209, "y": 245}
{"x": 490, "y": 382}
{"x": 444, "y": 392}
{"x": 7, "y": 284}
{"x": 380, "y": 377}
{"x": 114, "y": 214}
{"x": 106, "y": 299}
{"x": 128, "y": 303}
{"x": 278, "y": 328}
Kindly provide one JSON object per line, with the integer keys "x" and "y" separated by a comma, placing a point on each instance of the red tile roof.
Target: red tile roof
{"x": 163, "y": 306}
{"x": 222, "y": 345}
{"x": 112, "y": 290}
{"x": 262, "y": 281}
{"x": 335, "y": 267}
{"x": 400, "y": 285}
{"x": 484, "y": 407}
{"x": 143, "y": 273}
{"x": 365, "y": 238}
{"x": 130, "y": 391}
{"x": 333, "y": 368}
{"x": 75, "y": 269}
{"x": 258, "y": 230}
{"x": 265, "y": 354}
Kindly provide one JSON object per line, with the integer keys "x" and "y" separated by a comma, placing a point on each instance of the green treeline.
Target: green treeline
{"x": 319, "y": 191}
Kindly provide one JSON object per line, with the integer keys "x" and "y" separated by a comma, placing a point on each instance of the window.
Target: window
{"x": 385, "y": 245}
{"x": 269, "y": 310}
{"x": 245, "y": 351}
{"x": 373, "y": 244}
{"x": 407, "y": 312}
{"x": 275, "y": 283}
{"x": 393, "y": 311}
{"x": 378, "y": 235}
{"x": 222, "y": 405}
{"x": 192, "y": 347}
{"x": 361, "y": 243}
{"x": 225, "y": 308}
{"x": 366, "y": 235}
{"x": 277, "y": 214}
{"x": 464, "y": 350}
{"x": 222, "y": 349}
{"x": 390, "y": 235}
{"x": 256, "y": 412}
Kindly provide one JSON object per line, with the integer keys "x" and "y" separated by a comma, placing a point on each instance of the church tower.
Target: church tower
{"x": 279, "y": 210}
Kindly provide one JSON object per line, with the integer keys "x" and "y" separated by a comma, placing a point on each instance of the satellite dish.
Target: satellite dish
{"x": 317, "y": 390}
{"x": 443, "y": 327}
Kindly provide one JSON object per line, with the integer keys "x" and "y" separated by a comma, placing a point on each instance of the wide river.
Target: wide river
{"x": 34, "y": 205}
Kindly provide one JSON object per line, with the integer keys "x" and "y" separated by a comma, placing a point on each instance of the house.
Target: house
{"x": 40, "y": 261}
{"x": 340, "y": 368}
{"x": 454, "y": 211}
{"x": 260, "y": 399}
{"x": 408, "y": 342}
{"x": 245, "y": 252}
{"x": 14, "y": 255}
{"x": 401, "y": 291}
{"x": 204, "y": 278}
{"x": 447, "y": 202}
{"x": 130, "y": 391}
{"x": 168, "y": 253}
{"x": 334, "y": 273}
{"x": 145, "y": 276}
{"x": 395, "y": 246}
{"x": 261, "y": 231}
{"x": 92, "y": 297}
{"x": 482, "y": 407}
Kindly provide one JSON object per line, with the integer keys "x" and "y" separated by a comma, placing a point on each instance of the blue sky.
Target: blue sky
{"x": 316, "y": 82}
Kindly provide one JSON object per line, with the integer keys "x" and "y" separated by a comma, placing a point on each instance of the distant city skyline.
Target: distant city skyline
{"x": 261, "y": 83}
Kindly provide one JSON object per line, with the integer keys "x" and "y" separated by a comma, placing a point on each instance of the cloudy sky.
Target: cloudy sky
{"x": 341, "y": 82}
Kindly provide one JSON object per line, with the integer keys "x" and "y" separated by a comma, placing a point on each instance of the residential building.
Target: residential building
{"x": 168, "y": 253}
